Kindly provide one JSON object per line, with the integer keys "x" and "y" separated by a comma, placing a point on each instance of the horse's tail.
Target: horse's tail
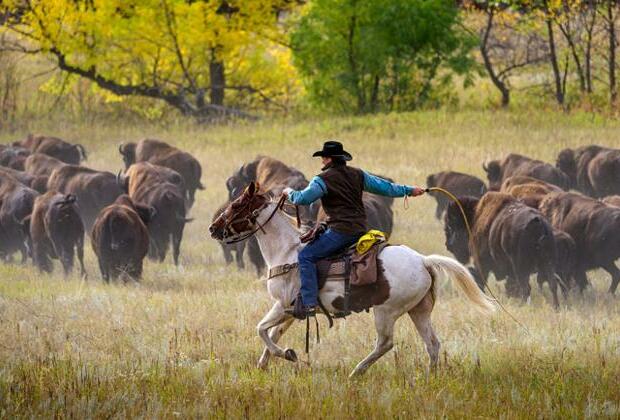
{"x": 451, "y": 268}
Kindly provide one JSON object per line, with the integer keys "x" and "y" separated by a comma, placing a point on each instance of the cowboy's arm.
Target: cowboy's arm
{"x": 376, "y": 185}
{"x": 315, "y": 190}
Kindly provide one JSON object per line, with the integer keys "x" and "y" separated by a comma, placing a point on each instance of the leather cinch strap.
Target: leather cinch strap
{"x": 280, "y": 270}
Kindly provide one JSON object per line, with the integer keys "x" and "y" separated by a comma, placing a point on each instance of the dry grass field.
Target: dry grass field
{"x": 182, "y": 342}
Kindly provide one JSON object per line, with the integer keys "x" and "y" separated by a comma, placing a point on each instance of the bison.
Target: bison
{"x": 13, "y": 157}
{"x": 66, "y": 152}
{"x": 578, "y": 165}
{"x": 38, "y": 164}
{"x": 530, "y": 193}
{"x": 37, "y": 183}
{"x": 120, "y": 238}
{"x": 273, "y": 176}
{"x": 595, "y": 228}
{"x": 457, "y": 183}
{"x": 56, "y": 231}
{"x": 16, "y": 203}
{"x": 163, "y": 189}
{"x": 515, "y": 164}
{"x": 612, "y": 200}
{"x": 163, "y": 154}
{"x": 94, "y": 189}
{"x": 508, "y": 238}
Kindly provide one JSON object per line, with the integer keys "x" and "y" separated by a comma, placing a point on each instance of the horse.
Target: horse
{"x": 411, "y": 279}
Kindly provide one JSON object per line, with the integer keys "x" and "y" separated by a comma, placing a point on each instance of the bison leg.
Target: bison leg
{"x": 105, "y": 270}
{"x": 384, "y": 324}
{"x": 41, "y": 259}
{"x": 582, "y": 280}
{"x": 239, "y": 250}
{"x": 177, "y": 237}
{"x": 79, "y": 248}
{"x": 66, "y": 258}
{"x": 612, "y": 269}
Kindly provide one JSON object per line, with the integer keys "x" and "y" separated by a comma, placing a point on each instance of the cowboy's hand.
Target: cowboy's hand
{"x": 416, "y": 191}
{"x": 287, "y": 191}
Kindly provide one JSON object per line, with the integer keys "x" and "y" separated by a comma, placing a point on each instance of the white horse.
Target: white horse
{"x": 410, "y": 275}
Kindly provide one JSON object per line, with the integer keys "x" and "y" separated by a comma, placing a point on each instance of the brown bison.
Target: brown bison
{"x": 612, "y": 200}
{"x": 56, "y": 231}
{"x": 52, "y": 146}
{"x": 595, "y": 228}
{"x": 592, "y": 169}
{"x": 13, "y": 157}
{"x": 120, "y": 238}
{"x": 16, "y": 203}
{"x": 273, "y": 176}
{"x": 459, "y": 184}
{"x": 515, "y": 164}
{"x": 508, "y": 238}
{"x": 38, "y": 164}
{"x": 94, "y": 189}
{"x": 37, "y": 183}
{"x": 530, "y": 193}
{"x": 254, "y": 253}
{"x": 161, "y": 153}
{"x": 163, "y": 189}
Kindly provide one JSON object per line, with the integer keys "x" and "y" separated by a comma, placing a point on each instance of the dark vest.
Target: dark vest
{"x": 343, "y": 203}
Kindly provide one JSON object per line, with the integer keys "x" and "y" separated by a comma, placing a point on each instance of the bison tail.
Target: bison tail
{"x": 438, "y": 264}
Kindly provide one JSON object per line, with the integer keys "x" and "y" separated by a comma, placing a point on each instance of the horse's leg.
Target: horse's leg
{"x": 384, "y": 324}
{"x": 275, "y": 333}
{"x": 275, "y": 317}
{"x": 421, "y": 317}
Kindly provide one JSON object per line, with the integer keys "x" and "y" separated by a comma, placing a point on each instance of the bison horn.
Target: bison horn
{"x": 121, "y": 148}
{"x": 485, "y": 166}
{"x": 184, "y": 219}
{"x": 121, "y": 181}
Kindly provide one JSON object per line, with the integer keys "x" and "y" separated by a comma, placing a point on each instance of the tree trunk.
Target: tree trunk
{"x": 217, "y": 80}
{"x": 557, "y": 76}
{"x": 499, "y": 83}
{"x": 611, "y": 32}
{"x": 588, "y": 50}
{"x": 355, "y": 77}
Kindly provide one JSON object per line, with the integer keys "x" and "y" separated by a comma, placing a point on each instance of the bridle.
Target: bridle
{"x": 251, "y": 219}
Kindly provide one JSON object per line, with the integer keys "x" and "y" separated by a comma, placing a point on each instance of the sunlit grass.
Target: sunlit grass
{"x": 183, "y": 341}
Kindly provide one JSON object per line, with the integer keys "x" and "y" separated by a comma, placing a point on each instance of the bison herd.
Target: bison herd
{"x": 524, "y": 221}
{"x": 49, "y": 200}
{"x": 527, "y": 222}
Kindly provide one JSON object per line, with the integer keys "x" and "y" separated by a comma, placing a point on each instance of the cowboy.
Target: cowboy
{"x": 340, "y": 188}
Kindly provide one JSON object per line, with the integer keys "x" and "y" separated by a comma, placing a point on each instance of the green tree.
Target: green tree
{"x": 372, "y": 55}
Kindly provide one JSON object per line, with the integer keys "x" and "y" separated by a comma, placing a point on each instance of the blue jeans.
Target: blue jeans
{"x": 326, "y": 245}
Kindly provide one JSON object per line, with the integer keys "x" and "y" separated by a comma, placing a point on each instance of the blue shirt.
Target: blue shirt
{"x": 373, "y": 184}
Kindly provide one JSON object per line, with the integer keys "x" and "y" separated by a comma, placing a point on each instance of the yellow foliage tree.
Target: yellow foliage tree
{"x": 206, "y": 58}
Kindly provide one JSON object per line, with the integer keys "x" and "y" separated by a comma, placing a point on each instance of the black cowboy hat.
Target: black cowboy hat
{"x": 333, "y": 149}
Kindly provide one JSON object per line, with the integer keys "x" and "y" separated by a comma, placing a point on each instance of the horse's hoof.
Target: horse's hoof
{"x": 290, "y": 355}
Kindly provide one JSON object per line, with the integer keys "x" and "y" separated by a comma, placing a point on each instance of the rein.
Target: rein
{"x": 260, "y": 227}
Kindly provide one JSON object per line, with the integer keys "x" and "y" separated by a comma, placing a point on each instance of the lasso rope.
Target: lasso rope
{"x": 460, "y": 206}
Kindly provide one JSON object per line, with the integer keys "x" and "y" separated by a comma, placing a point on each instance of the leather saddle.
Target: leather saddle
{"x": 364, "y": 283}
